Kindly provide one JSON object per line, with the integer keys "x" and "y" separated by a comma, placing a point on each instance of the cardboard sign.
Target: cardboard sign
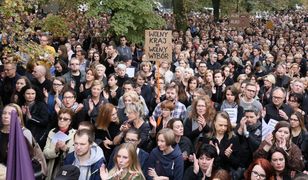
{"x": 158, "y": 45}
{"x": 269, "y": 25}
{"x": 239, "y": 21}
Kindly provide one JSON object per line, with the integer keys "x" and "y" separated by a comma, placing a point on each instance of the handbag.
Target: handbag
{"x": 38, "y": 155}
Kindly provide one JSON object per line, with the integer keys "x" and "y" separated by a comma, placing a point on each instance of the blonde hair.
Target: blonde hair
{"x": 100, "y": 66}
{"x": 223, "y": 115}
{"x": 136, "y": 108}
{"x": 134, "y": 165}
{"x": 19, "y": 112}
{"x": 97, "y": 83}
{"x": 132, "y": 94}
{"x": 168, "y": 135}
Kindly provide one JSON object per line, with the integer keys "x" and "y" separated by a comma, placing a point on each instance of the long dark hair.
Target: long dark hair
{"x": 39, "y": 97}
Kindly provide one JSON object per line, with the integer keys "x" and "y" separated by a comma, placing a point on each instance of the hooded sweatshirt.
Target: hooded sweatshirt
{"x": 170, "y": 165}
{"x": 90, "y": 169}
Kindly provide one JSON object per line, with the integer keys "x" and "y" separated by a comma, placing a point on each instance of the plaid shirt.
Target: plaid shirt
{"x": 178, "y": 112}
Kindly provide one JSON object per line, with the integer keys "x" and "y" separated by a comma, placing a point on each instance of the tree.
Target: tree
{"x": 130, "y": 18}
{"x": 216, "y": 7}
{"x": 179, "y": 13}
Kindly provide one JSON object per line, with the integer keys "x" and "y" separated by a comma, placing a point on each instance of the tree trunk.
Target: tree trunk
{"x": 178, "y": 11}
{"x": 216, "y": 5}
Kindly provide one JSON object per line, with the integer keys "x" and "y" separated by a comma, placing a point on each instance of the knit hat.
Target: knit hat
{"x": 271, "y": 78}
{"x": 68, "y": 172}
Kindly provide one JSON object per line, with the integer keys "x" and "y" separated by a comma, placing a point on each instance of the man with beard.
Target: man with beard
{"x": 249, "y": 131}
{"x": 111, "y": 61}
{"x": 75, "y": 77}
{"x": 88, "y": 156}
{"x": 172, "y": 95}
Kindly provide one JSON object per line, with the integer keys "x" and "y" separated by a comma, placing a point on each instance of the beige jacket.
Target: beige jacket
{"x": 51, "y": 154}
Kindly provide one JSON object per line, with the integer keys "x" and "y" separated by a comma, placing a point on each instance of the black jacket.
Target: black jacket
{"x": 39, "y": 122}
{"x": 249, "y": 144}
{"x": 222, "y": 161}
{"x": 273, "y": 113}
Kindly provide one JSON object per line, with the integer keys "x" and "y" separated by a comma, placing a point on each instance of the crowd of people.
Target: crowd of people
{"x": 231, "y": 104}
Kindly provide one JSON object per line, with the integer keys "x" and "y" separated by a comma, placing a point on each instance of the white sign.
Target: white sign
{"x": 232, "y": 114}
{"x": 59, "y": 136}
{"x": 268, "y": 128}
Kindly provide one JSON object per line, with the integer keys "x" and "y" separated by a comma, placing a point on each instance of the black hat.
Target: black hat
{"x": 68, "y": 172}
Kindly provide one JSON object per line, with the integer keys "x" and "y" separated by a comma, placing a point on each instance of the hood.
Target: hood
{"x": 166, "y": 159}
{"x": 96, "y": 154}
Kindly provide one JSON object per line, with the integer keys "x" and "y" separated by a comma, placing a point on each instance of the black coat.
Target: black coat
{"x": 39, "y": 122}
{"x": 249, "y": 144}
{"x": 273, "y": 113}
{"x": 222, "y": 161}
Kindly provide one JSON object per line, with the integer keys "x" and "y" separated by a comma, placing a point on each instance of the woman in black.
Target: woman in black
{"x": 107, "y": 128}
{"x": 203, "y": 164}
{"x": 226, "y": 143}
{"x": 112, "y": 92}
{"x": 35, "y": 112}
{"x": 92, "y": 103}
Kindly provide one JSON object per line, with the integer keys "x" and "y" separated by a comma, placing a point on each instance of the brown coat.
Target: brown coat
{"x": 296, "y": 161}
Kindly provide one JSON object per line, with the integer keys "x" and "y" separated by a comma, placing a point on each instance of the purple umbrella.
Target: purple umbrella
{"x": 19, "y": 165}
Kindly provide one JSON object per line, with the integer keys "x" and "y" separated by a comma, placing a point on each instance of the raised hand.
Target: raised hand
{"x": 152, "y": 173}
{"x": 269, "y": 140}
{"x": 229, "y": 151}
{"x": 61, "y": 145}
{"x": 91, "y": 105}
{"x": 73, "y": 84}
{"x": 81, "y": 88}
{"x": 282, "y": 143}
{"x": 283, "y": 114}
{"x": 196, "y": 164}
{"x": 113, "y": 94}
{"x": 201, "y": 122}
{"x": 216, "y": 146}
{"x": 45, "y": 92}
{"x": 153, "y": 122}
{"x": 103, "y": 172}
{"x": 208, "y": 172}
{"x": 107, "y": 143}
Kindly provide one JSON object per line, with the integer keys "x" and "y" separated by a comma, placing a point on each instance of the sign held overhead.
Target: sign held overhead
{"x": 158, "y": 45}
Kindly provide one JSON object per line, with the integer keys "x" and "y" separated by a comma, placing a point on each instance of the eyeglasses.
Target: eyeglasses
{"x": 63, "y": 119}
{"x": 6, "y": 70}
{"x": 250, "y": 90}
{"x": 292, "y": 119}
{"x": 257, "y": 175}
{"x": 130, "y": 140}
{"x": 292, "y": 100}
{"x": 276, "y": 97}
{"x": 68, "y": 97}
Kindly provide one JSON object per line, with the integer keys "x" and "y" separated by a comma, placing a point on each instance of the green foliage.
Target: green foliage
{"x": 129, "y": 18}
{"x": 56, "y": 25}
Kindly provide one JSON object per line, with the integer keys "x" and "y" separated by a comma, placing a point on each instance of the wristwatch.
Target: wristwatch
{"x": 246, "y": 134}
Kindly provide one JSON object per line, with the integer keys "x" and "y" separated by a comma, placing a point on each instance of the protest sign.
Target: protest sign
{"x": 158, "y": 45}
{"x": 239, "y": 21}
